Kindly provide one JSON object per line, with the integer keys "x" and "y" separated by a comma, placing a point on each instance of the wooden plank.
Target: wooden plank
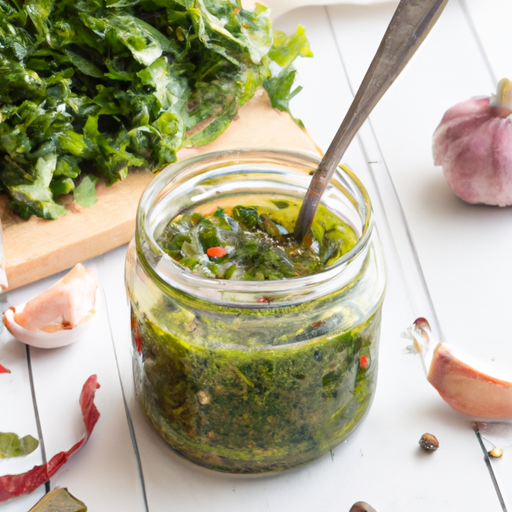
{"x": 472, "y": 239}
{"x": 38, "y": 248}
{"x": 491, "y": 21}
{"x": 17, "y": 414}
{"x": 336, "y": 481}
{"x": 462, "y": 249}
{"x": 105, "y": 473}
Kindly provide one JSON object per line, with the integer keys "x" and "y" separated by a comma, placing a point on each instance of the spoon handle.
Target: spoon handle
{"x": 409, "y": 26}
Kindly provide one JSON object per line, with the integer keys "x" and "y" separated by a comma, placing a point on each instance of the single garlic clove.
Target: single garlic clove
{"x": 466, "y": 386}
{"x": 473, "y": 144}
{"x": 60, "y": 315}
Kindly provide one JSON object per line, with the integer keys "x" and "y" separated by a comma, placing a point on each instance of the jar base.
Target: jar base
{"x": 225, "y": 464}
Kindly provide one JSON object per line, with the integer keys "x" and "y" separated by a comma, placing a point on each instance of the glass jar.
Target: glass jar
{"x": 253, "y": 376}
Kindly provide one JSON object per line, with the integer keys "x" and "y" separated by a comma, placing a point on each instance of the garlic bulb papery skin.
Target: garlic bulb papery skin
{"x": 60, "y": 315}
{"x": 473, "y": 144}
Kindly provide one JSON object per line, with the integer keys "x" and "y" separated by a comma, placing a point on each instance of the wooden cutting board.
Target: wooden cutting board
{"x": 38, "y": 248}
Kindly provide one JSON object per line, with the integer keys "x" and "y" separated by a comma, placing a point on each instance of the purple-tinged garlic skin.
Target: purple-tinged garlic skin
{"x": 473, "y": 144}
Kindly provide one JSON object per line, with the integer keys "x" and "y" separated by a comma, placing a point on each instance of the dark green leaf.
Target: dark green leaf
{"x": 110, "y": 85}
{"x": 85, "y": 66}
{"x": 61, "y": 185}
{"x": 39, "y": 12}
{"x": 228, "y": 274}
{"x": 36, "y": 195}
{"x": 247, "y": 216}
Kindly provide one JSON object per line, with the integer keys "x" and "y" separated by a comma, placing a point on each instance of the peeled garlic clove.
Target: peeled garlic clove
{"x": 473, "y": 144}
{"x": 60, "y": 315}
{"x": 464, "y": 384}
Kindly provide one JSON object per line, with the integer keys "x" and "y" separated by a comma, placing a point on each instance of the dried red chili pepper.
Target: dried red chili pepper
{"x": 12, "y": 486}
{"x": 364, "y": 362}
{"x": 3, "y": 369}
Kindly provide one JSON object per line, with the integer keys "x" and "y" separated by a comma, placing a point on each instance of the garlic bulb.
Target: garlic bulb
{"x": 58, "y": 316}
{"x": 473, "y": 144}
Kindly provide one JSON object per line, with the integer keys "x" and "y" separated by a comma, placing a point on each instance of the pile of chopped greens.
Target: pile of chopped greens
{"x": 253, "y": 244}
{"x": 92, "y": 88}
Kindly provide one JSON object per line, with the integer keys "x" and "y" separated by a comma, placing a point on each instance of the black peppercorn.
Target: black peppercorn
{"x": 429, "y": 442}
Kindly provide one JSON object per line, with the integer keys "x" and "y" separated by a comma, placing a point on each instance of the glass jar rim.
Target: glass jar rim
{"x": 174, "y": 274}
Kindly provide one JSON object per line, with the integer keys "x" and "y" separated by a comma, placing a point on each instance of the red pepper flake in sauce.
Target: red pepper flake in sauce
{"x": 216, "y": 252}
{"x": 268, "y": 300}
{"x": 136, "y": 335}
{"x": 364, "y": 362}
{"x": 138, "y": 340}
{"x": 249, "y": 243}
{"x": 3, "y": 369}
{"x": 12, "y": 486}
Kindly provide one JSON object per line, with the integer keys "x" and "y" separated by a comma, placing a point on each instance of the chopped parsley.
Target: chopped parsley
{"x": 97, "y": 87}
{"x": 254, "y": 243}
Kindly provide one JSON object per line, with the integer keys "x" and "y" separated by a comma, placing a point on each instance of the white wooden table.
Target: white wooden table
{"x": 447, "y": 261}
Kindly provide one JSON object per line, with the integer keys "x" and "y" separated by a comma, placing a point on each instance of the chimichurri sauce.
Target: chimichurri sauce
{"x": 255, "y": 387}
{"x": 248, "y": 242}
{"x": 248, "y": 411}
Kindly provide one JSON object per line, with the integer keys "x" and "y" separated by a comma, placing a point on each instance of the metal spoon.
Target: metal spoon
{"x": 409, "y": 26}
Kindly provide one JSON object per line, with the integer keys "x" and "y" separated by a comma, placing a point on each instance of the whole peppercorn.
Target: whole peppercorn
{"x": 429, "y": 442}
{"x": 495, "y": 452}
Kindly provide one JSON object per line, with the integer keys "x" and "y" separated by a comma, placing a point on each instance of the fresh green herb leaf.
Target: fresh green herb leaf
{"x": 228, "y": 273}
{"x": 281, "y": 204}
{"x": 85, "y": 192}
{"x": 247, "y": 216}
{"x": 13, "y": 446}
{"x": 287, "y": 48}
{"x": 98, "y": 88}
{"x": 254, "y": 245}
{"x": 284, "y": 51}
{"x": 35, "y": 195}
{"x": 61, "y": 185}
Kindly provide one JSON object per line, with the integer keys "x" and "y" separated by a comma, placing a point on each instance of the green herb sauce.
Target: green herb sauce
{"x": 255, "y": 242}
{"x": 242, "y": 409}
{"x": 254, "y": 388}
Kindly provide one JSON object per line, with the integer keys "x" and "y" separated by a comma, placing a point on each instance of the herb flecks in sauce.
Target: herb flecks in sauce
{"x": 264, "y": 386}
{"x": 254, "y": 242}
{"x": 235, "y": 409}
